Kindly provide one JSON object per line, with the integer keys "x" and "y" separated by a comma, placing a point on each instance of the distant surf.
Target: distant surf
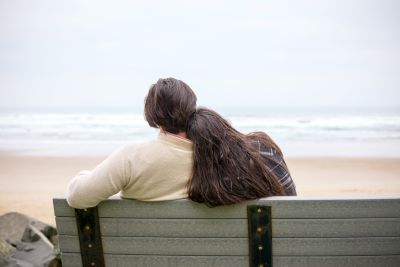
{"x": 328, "y": 134}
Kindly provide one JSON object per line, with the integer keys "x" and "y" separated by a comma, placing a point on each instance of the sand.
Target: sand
{"x": 28, "y": 183}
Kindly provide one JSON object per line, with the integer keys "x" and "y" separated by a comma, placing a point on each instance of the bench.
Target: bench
{"x": 275, "y": 231}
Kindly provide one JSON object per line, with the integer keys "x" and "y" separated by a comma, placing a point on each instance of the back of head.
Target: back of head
{"x": 169, "y": 104}
{"x": 227, "y": 167}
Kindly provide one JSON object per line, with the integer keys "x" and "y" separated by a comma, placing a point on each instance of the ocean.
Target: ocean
{"x": 298, "y": 132}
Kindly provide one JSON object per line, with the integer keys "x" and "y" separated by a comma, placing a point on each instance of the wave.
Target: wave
{"x": 125, "y": 127}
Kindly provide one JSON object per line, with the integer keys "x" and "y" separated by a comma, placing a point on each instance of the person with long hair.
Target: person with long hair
{"x": 230, "y": 167}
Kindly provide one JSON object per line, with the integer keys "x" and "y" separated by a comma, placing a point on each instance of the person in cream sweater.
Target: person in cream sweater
{"x": 152, "y": 171}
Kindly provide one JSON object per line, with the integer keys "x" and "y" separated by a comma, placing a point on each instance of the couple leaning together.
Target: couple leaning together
{"x": 197, "y": 155}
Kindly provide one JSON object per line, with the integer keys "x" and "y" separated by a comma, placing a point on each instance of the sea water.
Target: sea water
{"x": 298, "y": 132}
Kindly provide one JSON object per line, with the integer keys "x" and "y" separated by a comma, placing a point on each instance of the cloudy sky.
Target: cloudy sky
{"x": 105, "y": 54}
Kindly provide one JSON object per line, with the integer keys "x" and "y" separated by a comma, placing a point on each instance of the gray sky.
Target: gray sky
{"x": 104, "y": 54}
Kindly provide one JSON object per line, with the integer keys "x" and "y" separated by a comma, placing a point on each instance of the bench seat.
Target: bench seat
{"x": 358, "y": 231}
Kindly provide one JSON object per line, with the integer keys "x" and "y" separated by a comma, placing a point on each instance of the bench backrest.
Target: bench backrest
{"x": 305, "y": 232}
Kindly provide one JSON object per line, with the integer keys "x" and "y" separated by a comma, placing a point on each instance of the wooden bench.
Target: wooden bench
{"x": 276, "y": 231}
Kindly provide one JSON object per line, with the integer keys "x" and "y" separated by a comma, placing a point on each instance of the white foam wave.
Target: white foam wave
{"x": 39, "y": 128}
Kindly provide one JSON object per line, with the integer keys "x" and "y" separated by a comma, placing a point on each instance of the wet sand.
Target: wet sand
{"x": 28, "y": 183}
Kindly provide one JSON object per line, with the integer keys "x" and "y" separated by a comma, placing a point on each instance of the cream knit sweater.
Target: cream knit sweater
{"x": 151, "y": 171}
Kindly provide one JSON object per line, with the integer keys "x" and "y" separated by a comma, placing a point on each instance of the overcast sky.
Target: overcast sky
{"x": 105, "y": 54}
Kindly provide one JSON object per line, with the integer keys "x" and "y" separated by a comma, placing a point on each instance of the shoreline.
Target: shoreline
{"x": 28, "y": 183}
{"x": 389, "y": 149}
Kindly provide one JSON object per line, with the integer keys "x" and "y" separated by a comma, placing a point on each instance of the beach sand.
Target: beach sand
{"x": 28, "y": 183}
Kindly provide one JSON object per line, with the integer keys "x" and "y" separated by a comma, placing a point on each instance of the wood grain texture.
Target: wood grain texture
{"x": 183, "y": 208}
{"x": 340, "y": 208}
{"x": 74, "y": 260}
{"x": 282, "y": 207}
{"x": 306, "y": 232}
{"x": 337, "y": 261}
{"x": 360, "y": 246}
{"x": 360, "y": 227}
{"x": 162, "y": 227}
{"x": 163, "y": 246}
{"x": 239, "y": 246}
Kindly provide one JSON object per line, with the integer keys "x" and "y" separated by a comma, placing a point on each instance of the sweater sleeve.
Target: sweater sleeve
{"x": 88, "y": 188}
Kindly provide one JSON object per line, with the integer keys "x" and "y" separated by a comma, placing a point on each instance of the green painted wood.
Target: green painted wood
{"x": 239, "y": 246}
{"x": 282, "y": 207}
{"x": 297, "y": 207}
{"x": 331, "y": 222}
{"x": 73, "y": 260}
{"x": 359, "y": 227}
{"x": 183, "y": 208}
{"x": 389, "y": 227}
{"x": 359, "y": 246}
{"x": 163, "y": 246}
{"x": 162, "y": 227}
{"x": 338, "y": 261}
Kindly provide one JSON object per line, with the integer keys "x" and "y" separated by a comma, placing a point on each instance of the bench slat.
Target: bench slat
{"x": 359, "y": 227}
{"x": 124, "y": 208}
{"x": 287, "y": 207}
{"x": 161, "y": 227}
{"x": 361, "y": 246}
{"x": 239, "y": 246}
{"x": 336, "y": 261}
{"x": 74, "y": 260}
{"x": 283, "y": 207}
{"x": 389, "y": 227}
{"x": 163, "y": 246}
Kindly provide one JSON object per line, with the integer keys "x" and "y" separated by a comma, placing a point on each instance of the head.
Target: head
{"x": 228, "y": 168}
{"x": 169, "y": 105}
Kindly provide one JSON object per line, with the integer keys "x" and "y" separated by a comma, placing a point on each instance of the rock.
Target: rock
{"x": 25, "y": 241}
{"x": 13, "y": 225}
{"x": 6, "y": 250}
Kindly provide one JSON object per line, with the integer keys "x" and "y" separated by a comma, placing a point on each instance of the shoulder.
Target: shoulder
{"x": 130, "y": 150}
{"x": 258, "y": 134}
{"x": 127, "y": 148}
{"x": 139, "y": 150}
{"x": 138, "y": 146}
{"x": 265, "y": 143}
{"x": 260, "y": 140}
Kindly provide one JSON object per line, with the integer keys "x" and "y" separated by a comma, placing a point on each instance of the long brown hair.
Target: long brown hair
{"x": 228, "y": 168}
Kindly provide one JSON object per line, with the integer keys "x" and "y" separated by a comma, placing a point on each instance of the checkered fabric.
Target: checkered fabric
{"x": 276, "y": 164}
